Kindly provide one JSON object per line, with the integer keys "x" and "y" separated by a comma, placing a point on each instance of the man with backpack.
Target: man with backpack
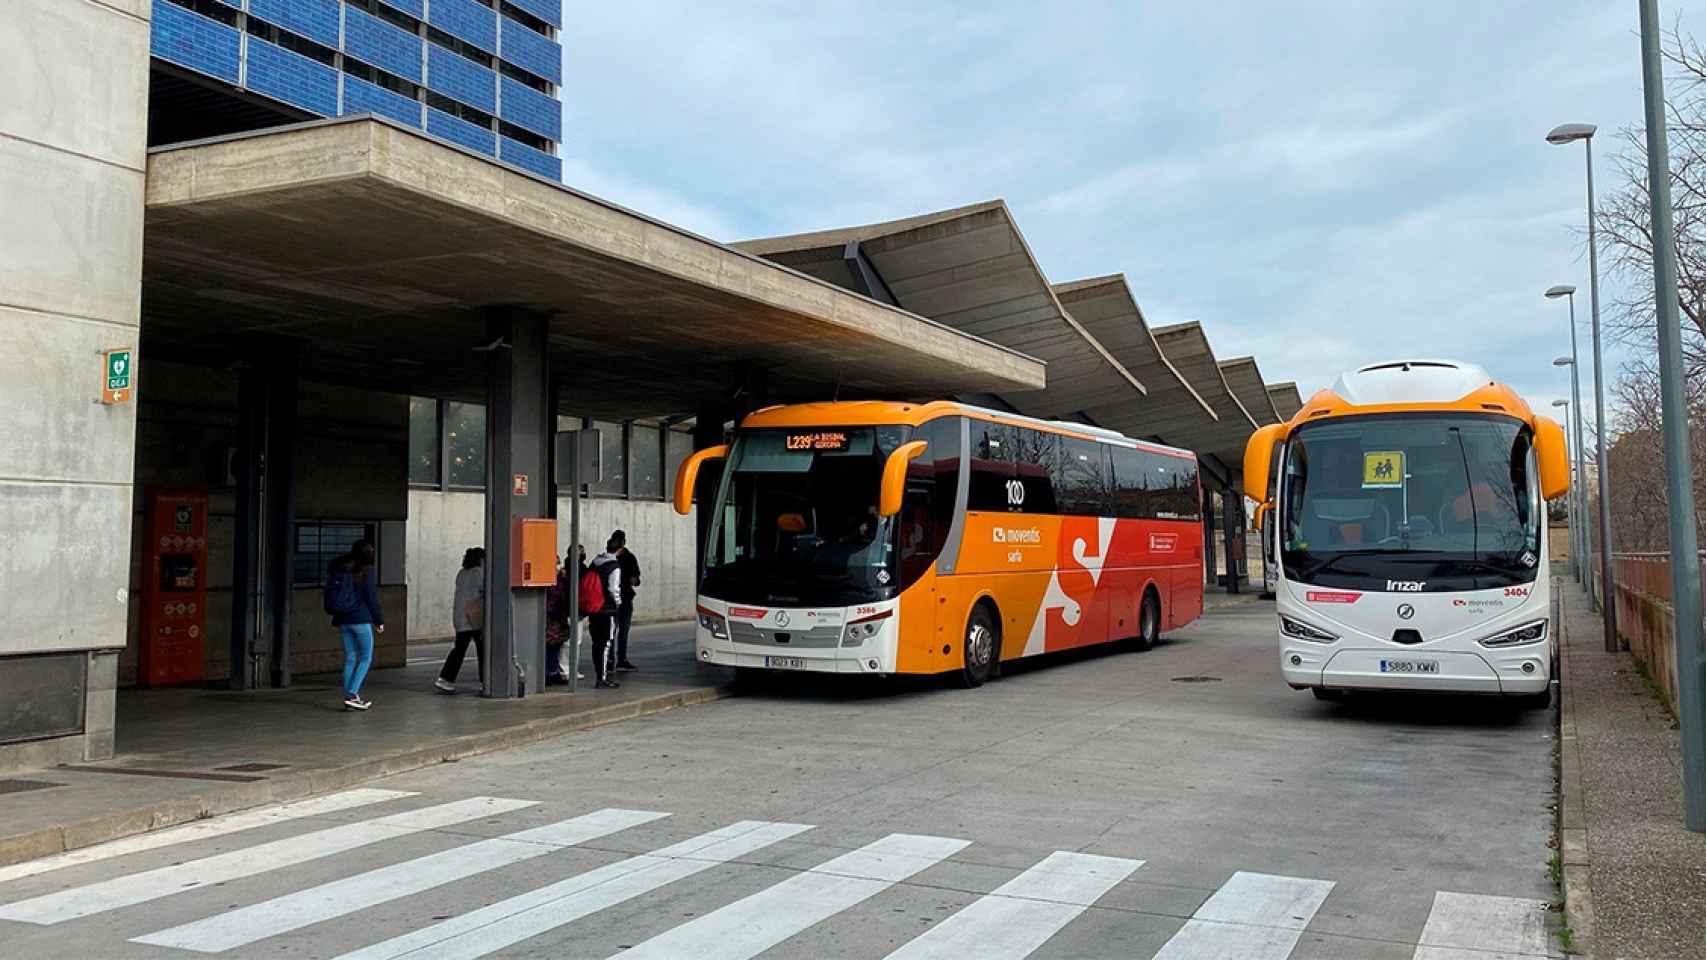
{"x": 607, "y": 571}
{"x": 625, "y": 603}
{"x": 352, "y": 598}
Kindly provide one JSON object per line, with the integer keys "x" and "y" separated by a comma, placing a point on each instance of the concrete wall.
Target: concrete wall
{"x": 443, "y": 524}
{"x": 351, "y": 465}
{"x": 72, "y": 158}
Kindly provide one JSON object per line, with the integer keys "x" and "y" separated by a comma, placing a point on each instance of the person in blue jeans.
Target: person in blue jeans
{"x": 354, "y": 605}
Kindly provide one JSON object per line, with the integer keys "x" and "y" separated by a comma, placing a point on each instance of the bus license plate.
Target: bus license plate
{"x": 1409, "y": 666}
{"x": 785, "y": 663}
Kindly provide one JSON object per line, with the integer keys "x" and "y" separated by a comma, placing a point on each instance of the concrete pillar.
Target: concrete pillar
{"x": 73, "y": 153}
{"x": 264, "y": 533}
{"x": 520, "y": 427}
{"x": 1232, "y": 529}
{"x": 284, "y": 392}
{"x": 1210, "y": 575}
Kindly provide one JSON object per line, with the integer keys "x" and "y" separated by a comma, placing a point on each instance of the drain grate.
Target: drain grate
{"x": 1197, "y": 678}
{"x": 25, "y": 786}
{"x": 253, "y": 767}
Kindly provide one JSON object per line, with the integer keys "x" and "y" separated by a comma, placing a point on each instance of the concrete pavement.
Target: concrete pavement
{"x": 1168, "y": 804}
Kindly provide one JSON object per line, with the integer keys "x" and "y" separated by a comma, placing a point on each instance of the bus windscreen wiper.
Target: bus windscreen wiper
{"x": 1326, "y": 564}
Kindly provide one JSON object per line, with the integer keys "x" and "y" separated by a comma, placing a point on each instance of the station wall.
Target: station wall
{"x": 442, "y": 524}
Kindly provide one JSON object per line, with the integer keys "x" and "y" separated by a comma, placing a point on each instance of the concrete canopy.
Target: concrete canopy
{"x": 1172, "y": 412}
{"x": 382, "y": 250}
{"x": 1245, "y": 379}
{"x": 1186, "y": 346}
{"x": 971, "y": 269}
{"x": 1286, "y": 400}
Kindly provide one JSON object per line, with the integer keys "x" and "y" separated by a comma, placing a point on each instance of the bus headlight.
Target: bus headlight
{"x": 1299, "y": 630}
{"x": 715, "y": 623}
{"x": 859, "y": 631}
{"x": 1527, "y": 633}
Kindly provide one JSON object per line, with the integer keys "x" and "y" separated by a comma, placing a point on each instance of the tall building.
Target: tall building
{"x": 480, "y": 73}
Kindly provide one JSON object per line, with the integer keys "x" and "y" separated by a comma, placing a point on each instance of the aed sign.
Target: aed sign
{"x": 119, "y": 372}
{"x": 1383, "y": 468}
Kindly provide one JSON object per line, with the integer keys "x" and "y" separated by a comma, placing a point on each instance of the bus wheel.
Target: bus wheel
{"x": 1328, "y": 694}
{"x": 1148, "y": 622}
{"x": 981, "y": 648}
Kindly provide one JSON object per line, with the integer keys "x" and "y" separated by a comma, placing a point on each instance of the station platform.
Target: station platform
{"x": 184, "y": 754}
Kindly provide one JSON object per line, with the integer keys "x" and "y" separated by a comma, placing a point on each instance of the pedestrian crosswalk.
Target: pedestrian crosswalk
{"x": 814, "y": 886}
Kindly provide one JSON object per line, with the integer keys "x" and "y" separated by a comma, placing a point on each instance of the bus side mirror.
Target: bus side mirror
{"x": 1261, "y": 517}
{"x": 1258, "y": 456}
{"x": 894, "y": 477}
{"x": 687, "y": 476}
{"x": 1552, "y": 453}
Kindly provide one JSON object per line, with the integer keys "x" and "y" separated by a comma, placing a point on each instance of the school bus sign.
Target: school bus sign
{"x": 1383, "y": 468}
{"x": 119, "y": 370}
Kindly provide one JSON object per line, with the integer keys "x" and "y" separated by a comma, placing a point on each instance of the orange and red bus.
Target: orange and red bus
{"x": 902, "y": 538}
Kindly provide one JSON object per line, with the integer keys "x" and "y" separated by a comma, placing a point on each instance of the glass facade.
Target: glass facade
{"x": 339, "y": 57}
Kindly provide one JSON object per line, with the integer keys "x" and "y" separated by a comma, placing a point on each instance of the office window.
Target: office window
{"x": 680, "y": 448}
{"x": 465, "y": 443}
{"x": 320, "y": 542}
{"x": 610, "y": 446}
{"x": 423, "y": 441}
{"x": 647, "y": 466}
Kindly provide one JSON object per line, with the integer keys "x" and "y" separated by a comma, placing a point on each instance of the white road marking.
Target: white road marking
{"x": 511, "y": 921}
{"x": 1023, "y": 913}
{"x": 93, "y": 898}
{"x": 339, "y": 898}
{"x": 202, "y": 830}
{"x": 1463, "y": 926}
{"x": 1253, "y": 916}
{"x": 752, "y": 925}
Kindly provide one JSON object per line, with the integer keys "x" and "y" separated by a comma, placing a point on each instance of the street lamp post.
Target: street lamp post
{"x": 1679, "y": 487}
{"x": 1575, "y": 489}
{"x": 1570, "y": 133}
{"x": 1580, "y": 499}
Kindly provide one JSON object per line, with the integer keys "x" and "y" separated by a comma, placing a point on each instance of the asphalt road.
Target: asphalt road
{"x": 1180, "y": 803}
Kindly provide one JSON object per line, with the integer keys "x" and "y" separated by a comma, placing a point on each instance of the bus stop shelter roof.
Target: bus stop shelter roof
{"x": 1245, "y": 379}
{"x": 1186, "y": 346}
{"x": 1172, "y": 412}
{"x": 1286, "y": 400}
{"x": 381, "y": 251}
{"x": 971, "y": 269}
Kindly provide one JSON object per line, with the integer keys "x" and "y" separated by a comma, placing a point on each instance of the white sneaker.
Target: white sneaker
{"x": 444, "y": 685}
{"x": 356, "y": 703}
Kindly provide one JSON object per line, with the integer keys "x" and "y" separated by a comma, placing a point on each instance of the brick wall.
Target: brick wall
{"x": 293, "y": 78}
{"x": 471, "y": 21}
{"x": 530, "y": 51}
{"x": 192, "y": 40}
{"x": 315, "y": 19}
{"x": 527, "y": 107}
{"x": 371, "y": 40}
{"x": 462, "y": 79}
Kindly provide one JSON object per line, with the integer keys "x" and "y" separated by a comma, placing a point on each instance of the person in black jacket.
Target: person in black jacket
{"x": 359, "y": 620}
{"x": 602, "y": 624}
{"x": 625, "y": 603}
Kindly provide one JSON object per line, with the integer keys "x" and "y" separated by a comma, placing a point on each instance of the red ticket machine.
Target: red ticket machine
{"x": 174, "y": 589}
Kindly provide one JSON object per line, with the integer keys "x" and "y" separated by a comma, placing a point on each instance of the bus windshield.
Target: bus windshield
{"x": 796, "y": 519}
{"x": 1447, "y": 501}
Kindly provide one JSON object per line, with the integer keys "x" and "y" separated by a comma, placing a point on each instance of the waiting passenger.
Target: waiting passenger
{"x": 352, "y": 598}
{"x": 608, "y": 566}
{"x": 468, "y": 618}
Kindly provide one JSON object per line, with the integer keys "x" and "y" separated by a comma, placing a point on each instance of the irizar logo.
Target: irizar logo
{"x": 1405, "y": 586}
{"x": 1014, "y": 535}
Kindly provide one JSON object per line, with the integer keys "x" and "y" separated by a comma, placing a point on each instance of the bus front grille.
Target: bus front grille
{"x": 815, "y": 637}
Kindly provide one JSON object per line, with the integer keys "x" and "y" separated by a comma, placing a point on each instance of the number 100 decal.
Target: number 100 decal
{"x": 1015, "y": 493}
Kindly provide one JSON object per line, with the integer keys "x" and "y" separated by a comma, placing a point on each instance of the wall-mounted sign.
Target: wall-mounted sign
{"x": 119, "y": 372}
{"x": 520, "y": 488}
{"x": 832, "y": 440}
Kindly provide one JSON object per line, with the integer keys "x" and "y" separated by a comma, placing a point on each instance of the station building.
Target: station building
{"x": 338, "y": 318}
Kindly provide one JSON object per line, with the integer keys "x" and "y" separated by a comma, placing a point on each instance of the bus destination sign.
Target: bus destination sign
{"x": 832, "y": 440}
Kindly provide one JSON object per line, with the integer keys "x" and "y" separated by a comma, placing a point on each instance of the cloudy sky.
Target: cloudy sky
{"x": 1320, "y": 184}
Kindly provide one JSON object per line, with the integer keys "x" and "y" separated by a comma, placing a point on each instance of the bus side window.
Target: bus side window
{"x": 927, "y": 511}
{"x": 992, "y": 469}
{"x": 1082, "y": 484}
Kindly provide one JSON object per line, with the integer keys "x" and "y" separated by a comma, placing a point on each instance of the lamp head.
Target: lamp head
{"x": 1561, "y": 290}
{"x": 1571, "y": 132}
{"x": 1560, "y": 403}
{"x": 1563, "y": 362}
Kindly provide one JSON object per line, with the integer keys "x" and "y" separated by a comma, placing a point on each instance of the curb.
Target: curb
{"x": 237, "y": 796}
{"x": 1572, "y": 812}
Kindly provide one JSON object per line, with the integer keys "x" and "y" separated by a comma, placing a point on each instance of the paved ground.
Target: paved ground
{"x": 1098, "y": 806}
{"x": 1648, "y": 874}
{"x": 176, "y": 744}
